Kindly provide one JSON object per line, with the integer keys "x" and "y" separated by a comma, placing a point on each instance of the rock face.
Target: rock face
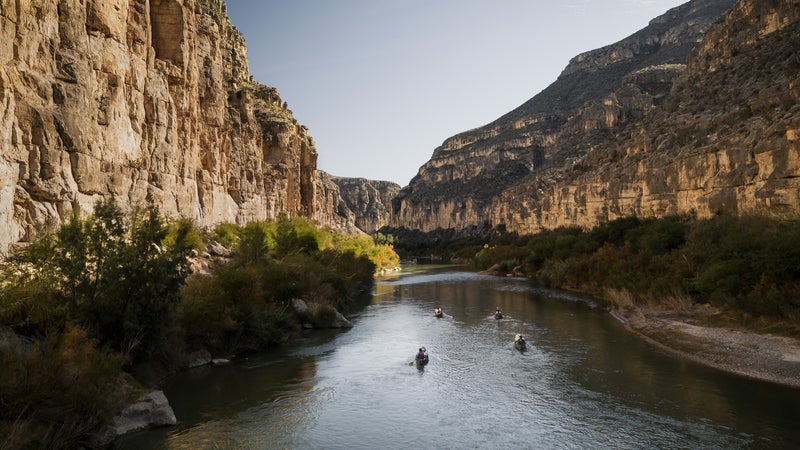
{"x": 152, "y": 410}
{"x": 635, "y": 128}
{"x": 144, "y": 101}
{"x": 367, "y": 203}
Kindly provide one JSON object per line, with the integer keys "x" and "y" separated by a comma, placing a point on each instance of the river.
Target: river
{"x": 584, "y": 382}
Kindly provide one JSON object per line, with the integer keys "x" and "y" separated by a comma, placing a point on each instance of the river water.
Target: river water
{"x": 584, "y": 382}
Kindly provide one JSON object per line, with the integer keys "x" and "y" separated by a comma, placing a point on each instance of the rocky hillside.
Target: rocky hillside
{"x": 366, "y": 203}
{"x": 142, "y": 100}
{"x": 725, "y": 139}
{"x": 646, "y": 126}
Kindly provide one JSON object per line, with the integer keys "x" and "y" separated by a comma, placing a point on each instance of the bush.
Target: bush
{"x": 59, "y": 391}
{"x": 246, "y": 304}
{"x": 226, "y": 234}
{"x": 111, "y": 277}
{"x": 108, "y": 291}
{"x": 206, "y": 317}
{"x": 749, "y": 263}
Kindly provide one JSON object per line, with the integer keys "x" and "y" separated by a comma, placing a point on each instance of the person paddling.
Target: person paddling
{"x": 421, "y": 357}
{"x": 498, "y": 313}
{"x": 519, "y": 342}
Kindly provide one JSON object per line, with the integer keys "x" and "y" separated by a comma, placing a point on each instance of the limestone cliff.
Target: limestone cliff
{"x": 727, "y": 138}
{"x": 145, "y": 101}
{"x": 634, "y": 128}
{"x": 366, "y": 203}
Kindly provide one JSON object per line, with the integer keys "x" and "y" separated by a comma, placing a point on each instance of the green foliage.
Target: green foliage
{"x": 111, "y": 277}
{"x": 184, "y": 233}
{"x": 295, "y": 236}
{"x": 349, "y": 274}
{"x": 749, "y": 264}
{"x": 109, "y": 291}
{"x": 236, "y": 308}
{"x": 207, "y": 315}
{"x": 246, "y": 304}
{"x": 382, "y": 256}
{"x": 503, "y": 257}
{"x": 226, "y": 234}
{"x": 254, "y": 244}
{"x": 739, "y": 260}
{"x": 285, "y": 280}
{"x": 382, "y": 239}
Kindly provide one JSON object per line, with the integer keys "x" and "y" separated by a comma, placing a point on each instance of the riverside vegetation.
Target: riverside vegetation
{"x": 747, "y": 266}
{"x": 93, "y": 313}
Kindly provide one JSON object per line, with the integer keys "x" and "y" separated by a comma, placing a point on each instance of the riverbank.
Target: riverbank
{"x": 698, "y": 336}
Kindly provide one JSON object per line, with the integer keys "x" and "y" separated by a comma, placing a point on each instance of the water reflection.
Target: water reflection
{"x": 584, "y": 382}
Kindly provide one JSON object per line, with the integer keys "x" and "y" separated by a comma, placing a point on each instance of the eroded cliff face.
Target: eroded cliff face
{"x": 630, "y": 130}
{"x": 725, "y": 139}
{"x": 366, "y": 203}
{"x": 145, "y": 101}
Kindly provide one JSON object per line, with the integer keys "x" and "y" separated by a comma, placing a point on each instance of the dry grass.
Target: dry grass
{"x": 620, "y": 299}
{"x": 624, "y": 300}
{"x": 678, "y": 302}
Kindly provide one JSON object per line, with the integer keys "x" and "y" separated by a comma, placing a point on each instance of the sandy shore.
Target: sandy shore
{"x": 761, "y": 356}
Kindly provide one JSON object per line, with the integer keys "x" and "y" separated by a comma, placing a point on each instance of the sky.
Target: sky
{"x": 381, "y": 83}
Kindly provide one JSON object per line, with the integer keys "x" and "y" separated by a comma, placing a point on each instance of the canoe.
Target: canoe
{"x": 519, "y": 342}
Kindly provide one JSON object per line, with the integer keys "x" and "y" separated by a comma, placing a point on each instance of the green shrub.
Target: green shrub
{"x": 58, "y": 391}
{"x": 748, "y": 263}
{"x": 184, "y": 232}
{"x": 226, "y": 234}
{"x": 254, "y": 244}
{"x": 507, "y": 257}
{"x": 282, "y": 282}
{"x": 295, "y": 236}
{"x": 111, "y": 277}
{"x": 206, "y": 316}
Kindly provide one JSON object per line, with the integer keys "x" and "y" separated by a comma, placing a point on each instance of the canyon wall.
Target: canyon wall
{"x": 366, "y": 203}
{"x": 143, "y": 101}
{"x": 725, "y": 138}
{"x": 696, "y": 113}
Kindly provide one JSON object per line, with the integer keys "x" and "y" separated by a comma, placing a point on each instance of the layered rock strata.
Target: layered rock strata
{"x": 635, "y": 129}
{"x": 143, "y": 101}
{"x": 725, "y": 139}
{"x": 366, "y": 203}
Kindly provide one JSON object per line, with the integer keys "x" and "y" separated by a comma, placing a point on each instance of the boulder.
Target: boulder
{"x": 198, "y": 358}
{"x": 149, "y": 411}
{"x": 300, "y": 307}
{"x": 340, "y": 321}
{"x": 152, "y": 410}
{"x": 217, "y": 249}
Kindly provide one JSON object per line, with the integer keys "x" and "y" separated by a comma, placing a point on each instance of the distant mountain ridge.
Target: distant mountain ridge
{"x": 594, "y": 145}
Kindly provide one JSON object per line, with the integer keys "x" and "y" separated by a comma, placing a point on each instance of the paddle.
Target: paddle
{"x": 412, "y": 362}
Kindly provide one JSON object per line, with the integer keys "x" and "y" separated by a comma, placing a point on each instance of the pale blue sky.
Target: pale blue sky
{"x": 381, "y": 83}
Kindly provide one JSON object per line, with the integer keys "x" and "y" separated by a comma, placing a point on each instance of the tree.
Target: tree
{"x": 115, "y": 278}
